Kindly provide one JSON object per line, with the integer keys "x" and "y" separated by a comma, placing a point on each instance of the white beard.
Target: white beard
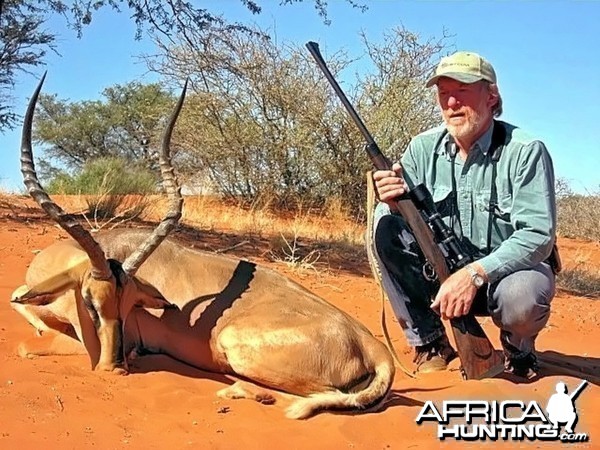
{"x": 467, "y": 130}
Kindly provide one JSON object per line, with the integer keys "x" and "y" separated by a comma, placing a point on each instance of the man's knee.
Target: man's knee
{"x": 521, "y": 301}
{"x": 386, "y": 234}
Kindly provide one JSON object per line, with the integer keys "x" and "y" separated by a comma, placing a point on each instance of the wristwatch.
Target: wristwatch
{"x": 476, "y": 279}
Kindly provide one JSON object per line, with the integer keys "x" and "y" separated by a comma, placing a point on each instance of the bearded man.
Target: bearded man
{"x": 493, "y": 184}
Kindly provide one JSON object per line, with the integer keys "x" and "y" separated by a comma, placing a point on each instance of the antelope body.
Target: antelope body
{"x": 237, "y": 318}
{"x": 107, "y": 295}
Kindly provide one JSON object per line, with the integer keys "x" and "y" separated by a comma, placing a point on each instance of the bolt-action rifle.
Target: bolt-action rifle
{"x": 477, "y": 355}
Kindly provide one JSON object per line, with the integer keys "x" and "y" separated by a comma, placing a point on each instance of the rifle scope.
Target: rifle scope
{"x": 445, "y": 236}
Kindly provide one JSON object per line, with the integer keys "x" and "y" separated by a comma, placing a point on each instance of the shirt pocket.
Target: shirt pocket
{"x": 501, "y": 221}
{"x": 443, "y": 200}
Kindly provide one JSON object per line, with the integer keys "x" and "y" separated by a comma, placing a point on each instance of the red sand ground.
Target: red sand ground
{"x": 58, "y": 402}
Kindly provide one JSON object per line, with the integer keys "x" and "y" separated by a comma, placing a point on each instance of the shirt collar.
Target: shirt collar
{"x": 482, "y": 144}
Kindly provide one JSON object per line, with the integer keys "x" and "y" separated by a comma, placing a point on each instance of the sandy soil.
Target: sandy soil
{"x": 58, "y": 402}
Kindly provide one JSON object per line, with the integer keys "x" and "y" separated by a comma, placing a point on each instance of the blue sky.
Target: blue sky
{"x": 546, "y": 55}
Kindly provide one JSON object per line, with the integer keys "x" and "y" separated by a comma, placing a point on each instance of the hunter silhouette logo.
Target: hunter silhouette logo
{"x": 472, "y": 420}
{"x": 561, "y": 406}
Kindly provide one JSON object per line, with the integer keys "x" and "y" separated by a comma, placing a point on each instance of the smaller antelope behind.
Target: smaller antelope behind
{"x": 226, "y": 316}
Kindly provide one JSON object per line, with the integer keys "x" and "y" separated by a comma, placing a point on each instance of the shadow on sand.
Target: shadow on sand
{"x": 553, "y": 363}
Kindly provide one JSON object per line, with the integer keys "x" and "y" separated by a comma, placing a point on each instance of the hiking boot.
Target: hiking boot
{"x": 524, "y": 366}
{"x": 434, "y": 356}
{"x": 516, "y": 362}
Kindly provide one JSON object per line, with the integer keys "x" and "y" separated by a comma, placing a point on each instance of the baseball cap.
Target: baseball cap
{"x": 466, "y": 67}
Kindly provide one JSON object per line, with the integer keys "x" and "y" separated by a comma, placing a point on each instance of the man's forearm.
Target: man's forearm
{"x": 515, "y": 254}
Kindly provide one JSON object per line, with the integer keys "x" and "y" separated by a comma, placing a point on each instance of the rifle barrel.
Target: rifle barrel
{"x": 578, "y": 390}
{"x": 313, "y": 48}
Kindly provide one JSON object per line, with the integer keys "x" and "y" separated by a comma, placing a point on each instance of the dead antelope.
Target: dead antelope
{"x": 232, "y": 317}
{"x": 104, "y": 290}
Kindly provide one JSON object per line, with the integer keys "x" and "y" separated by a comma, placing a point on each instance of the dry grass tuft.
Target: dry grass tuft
{"x": 294, "y": 256}
{"x": 329, "y": 225}
{"x": 11, "y": 202}
{"x": 305, "y": 239}
{"x": 580, "y": 281}
{"x": 110, "y": 211}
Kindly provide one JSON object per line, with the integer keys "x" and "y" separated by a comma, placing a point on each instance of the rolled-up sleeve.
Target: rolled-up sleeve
{"x": 533, "y": 215}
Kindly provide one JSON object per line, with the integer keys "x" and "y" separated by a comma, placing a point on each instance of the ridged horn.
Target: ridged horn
{"x": 100, "y": 267}
{"x": 137, "y": 258}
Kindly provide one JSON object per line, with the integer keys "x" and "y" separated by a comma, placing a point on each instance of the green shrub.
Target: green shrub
{"x": 105, "y": 182}
{"x": 105, "y": 175}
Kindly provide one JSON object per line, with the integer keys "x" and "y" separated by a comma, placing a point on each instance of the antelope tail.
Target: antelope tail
{"x": 371, "y": 398}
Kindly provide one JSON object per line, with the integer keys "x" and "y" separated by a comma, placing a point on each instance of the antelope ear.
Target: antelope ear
{"x": 149, "y": 296}
{"x": 45, "y": 292}
{"x": 142, "y": 293}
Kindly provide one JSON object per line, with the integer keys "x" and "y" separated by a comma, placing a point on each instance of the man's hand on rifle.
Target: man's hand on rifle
{"x": 456, "y": 295}
{"x": 389, "y": 183}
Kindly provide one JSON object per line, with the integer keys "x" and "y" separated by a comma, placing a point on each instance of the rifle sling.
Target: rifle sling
{"x": 495, "y": 151}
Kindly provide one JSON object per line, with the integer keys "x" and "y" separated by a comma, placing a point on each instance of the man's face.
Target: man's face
{"x": 466, "y": 108}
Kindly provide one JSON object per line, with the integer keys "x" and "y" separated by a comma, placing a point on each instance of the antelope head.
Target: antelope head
{"x": 106, "y": 288}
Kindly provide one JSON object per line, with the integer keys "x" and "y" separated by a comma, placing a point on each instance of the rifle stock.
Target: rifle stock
{"x": 477, "y": 355}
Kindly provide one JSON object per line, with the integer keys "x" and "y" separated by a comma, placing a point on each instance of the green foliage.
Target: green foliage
{"x": 259, "y": 119}
{"x": 393, "y": 97}
{"x": 265, "y": 122}
{"x": 127, "y": 124}
{"x": 161, "y": 17}
{"x": 106, "y": 182}
{"x": 23, "y": 45}
{"x": 105, "y": 175}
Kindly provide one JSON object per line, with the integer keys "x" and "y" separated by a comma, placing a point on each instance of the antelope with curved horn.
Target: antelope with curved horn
{"x": 104, "y": 289}
{"x": 231, "y": 317}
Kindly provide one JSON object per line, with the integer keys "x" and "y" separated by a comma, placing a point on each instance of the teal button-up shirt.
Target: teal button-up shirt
{"x": 524, "y": 222}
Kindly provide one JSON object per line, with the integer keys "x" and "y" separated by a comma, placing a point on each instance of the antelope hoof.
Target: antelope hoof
{"x": 18, "y": 293}
{"x": 24, "y": 352}
{"x": 239, "y": 390}
{"x": 115, "y": 369}
{"x": 120, "y": 371}
{"x": 265, "y": 398}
